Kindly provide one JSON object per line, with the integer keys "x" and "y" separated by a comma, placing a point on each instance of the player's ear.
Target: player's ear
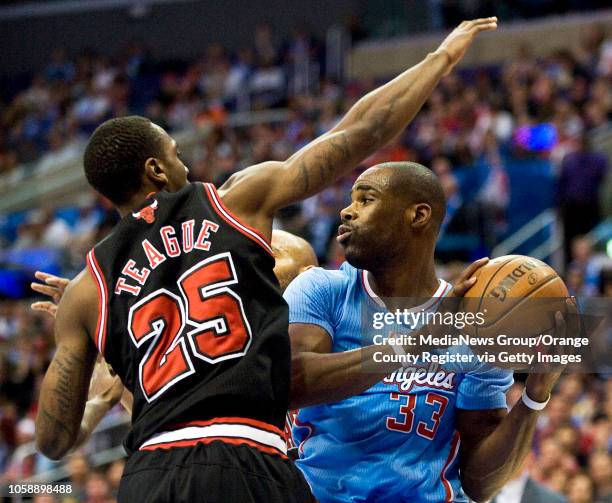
{"x": 155, "y": 173}
{"x": 421, "y": 215}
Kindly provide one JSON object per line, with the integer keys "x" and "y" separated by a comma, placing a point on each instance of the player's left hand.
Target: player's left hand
{"x": 540, "y": 382}
{"x": 53, "y": 286}
{"x": 466, "y": 279}
{"x": 105, "y": 384}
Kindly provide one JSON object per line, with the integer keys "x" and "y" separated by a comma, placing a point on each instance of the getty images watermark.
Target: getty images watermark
{"x": 463, "y": 335}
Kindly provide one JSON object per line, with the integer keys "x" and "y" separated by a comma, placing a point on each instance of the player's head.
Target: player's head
{"x": 293, "y": 256}
{"x": 129, "y": 155}
{"x": 394, "y": 206}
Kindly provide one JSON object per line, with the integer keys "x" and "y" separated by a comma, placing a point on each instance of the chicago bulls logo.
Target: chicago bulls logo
{"x": 147, "y": 213}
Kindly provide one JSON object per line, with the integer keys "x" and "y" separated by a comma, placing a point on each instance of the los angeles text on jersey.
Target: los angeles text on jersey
{"x": 173, "y": 242}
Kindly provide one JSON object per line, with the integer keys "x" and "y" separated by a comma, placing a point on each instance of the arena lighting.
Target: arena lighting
{"x": 609, "y": 248}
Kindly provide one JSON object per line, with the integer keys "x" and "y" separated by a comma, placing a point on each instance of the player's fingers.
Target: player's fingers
{"x": 472, "y": 268}
{"x": 48, "y": 307}
{"x": 461, "y": 287}
{"x": 58, "y": 282}
{"x": 50, "y": 291}
{"x": 559, "y": 324}
{"x": 41, "y": 275}
{"x": 483, "y": 21}
{"x": 52, "y": 280}
{"x": 485, "y": 27}
{"x": 572, "y": 318}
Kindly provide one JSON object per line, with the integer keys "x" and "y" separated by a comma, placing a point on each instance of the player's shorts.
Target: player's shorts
{"x": 216, "y": 472}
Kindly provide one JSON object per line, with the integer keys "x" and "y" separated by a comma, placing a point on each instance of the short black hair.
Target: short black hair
{"x": 418, "y": 184}
{"x": 116, "y": 153}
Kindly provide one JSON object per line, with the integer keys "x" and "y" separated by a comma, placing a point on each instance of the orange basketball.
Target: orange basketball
{"x": 518, "y": 297}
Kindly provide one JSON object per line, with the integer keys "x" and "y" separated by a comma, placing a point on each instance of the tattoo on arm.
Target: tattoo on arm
{"x": 304, "y": 177}
{"x": 55, "y": 426}
{"x": 324, "y": 163}
{"x": 380, "y": 119}
{"x": 58, "y": 410}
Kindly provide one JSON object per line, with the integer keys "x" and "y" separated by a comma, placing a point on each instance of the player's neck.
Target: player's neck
{"x": 134, "y": 202}
{"x": 415, "y": 278}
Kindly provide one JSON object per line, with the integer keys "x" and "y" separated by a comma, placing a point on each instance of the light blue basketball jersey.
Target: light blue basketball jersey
{"x": 395, "y": 442}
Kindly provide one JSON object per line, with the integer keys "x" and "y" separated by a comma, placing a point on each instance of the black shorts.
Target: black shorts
{"x": 212, "y": 473}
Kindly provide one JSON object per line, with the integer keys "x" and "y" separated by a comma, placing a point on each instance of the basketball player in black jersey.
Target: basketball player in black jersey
{"x": 292, "y": 255}
{"x": 182, "y": 302}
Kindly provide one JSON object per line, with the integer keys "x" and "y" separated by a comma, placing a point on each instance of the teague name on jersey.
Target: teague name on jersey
{"x": 135, "y": 275}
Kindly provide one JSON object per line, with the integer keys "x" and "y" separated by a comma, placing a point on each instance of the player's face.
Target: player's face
{"x": 372, "y": 223}
{"x": 176, "y": 172}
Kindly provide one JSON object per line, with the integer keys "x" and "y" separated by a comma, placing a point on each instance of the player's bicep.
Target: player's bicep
{"x": 308, "y": 338}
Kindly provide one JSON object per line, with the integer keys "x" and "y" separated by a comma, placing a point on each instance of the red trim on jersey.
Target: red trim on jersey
{"x": 435, "y": 299}
{"x": 235, "y": 222}
{"x": 96, "y": 272}
{"x": 310, "y": 427}
{"x": 447, "y": 288}
{"x": 207, "y": 440}
{"x": 234, "y": 420}
{"x": 291, "y": 414}
{"x": 454, "y": 450}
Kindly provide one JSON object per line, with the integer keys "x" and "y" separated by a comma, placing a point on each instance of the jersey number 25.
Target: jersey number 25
{"x": 206, "y": 321}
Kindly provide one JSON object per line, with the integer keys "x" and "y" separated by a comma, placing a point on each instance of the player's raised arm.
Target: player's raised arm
{"x": 370, "y": 124}
{"x": 64, "y": 388}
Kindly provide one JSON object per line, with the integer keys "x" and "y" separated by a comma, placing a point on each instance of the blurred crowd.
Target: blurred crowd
{"x": 540, "y": 108}
{"x": 572, "y": 449}
{"x": 529, "y": 108}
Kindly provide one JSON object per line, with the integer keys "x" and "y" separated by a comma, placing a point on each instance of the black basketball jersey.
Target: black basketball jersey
{"x": 191, "y": 315}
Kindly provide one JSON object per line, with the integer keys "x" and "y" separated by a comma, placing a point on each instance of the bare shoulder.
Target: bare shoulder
{"x": 252, "y": 182}
{"x": 247, "y": 195}
{"x": 79, "y": 303}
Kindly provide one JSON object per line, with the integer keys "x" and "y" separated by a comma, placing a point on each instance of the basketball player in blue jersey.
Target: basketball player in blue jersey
{"x": 422, "y": 434}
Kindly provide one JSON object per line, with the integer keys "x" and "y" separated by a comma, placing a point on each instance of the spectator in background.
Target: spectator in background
{"x": 600, "y": 470}
{"x": 442, "y": 168}
{"x": 113, "y": 474}
{"x": 580, "y": 489}
{"x": 577, "y": 193}
{"x": 97, "y": 489}
{"x": 78, "y": 470}
{"x": 584, "y": 266}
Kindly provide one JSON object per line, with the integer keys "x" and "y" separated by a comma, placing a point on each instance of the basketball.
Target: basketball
{"x": 518, "y": 297}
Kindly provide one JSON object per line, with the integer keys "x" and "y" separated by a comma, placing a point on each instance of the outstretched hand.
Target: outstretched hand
{"x": 460, "y": 39}
{"x": 53, "y": 287}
